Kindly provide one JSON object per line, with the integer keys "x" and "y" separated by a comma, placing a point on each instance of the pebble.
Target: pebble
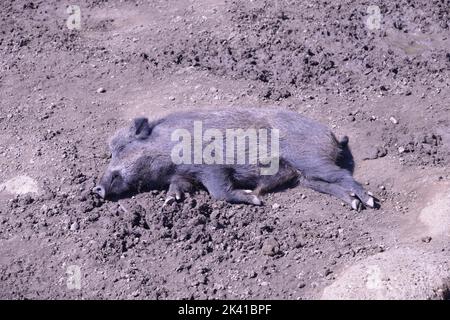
{"x": 326, "y": 272}
{"x": 426, "y": 239}
{"x": 135, "y": 293}
{"x": 271, "y": 247}
{"x": 171, "y": 98}
{"x": 393, "y": 120}
{"x": 74, "y": 226}
{"x": 276, "y": 206}
{"x": 299, "y": 244}
{"x": 401, "y": 150}
{"x": 101, "y": 90}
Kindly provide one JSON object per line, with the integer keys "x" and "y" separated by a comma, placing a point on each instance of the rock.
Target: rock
{"x": 93, "y": 217}
{"x": 171, "y": 98}
{"x": 101, "y": 90}
{"x": 436, "y": 214}
{"x": 271, "y": 247}
{"x": 135, "y": 293}
{"x": 401, "y": 150}
{"x": 403, "y": 273}
{"x": 326, "y": 272}
{"x": 426, "y": 239}
{"x": 393, "y": 120}
{"x": 375, "y": 153}
{"x": 276, "y": 206}
{"x": 74, "y": 226}
{"x": 299, "y": 244}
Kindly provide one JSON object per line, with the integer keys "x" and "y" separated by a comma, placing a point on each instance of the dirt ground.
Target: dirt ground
{"x": 387, "y": 88}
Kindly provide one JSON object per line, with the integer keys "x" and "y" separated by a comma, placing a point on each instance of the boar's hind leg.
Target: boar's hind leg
{"x": 337, "y": 176}
{"x": 334, "y": 190}
{"x": 219, "y": 186}
{"x": 178, "y": 186}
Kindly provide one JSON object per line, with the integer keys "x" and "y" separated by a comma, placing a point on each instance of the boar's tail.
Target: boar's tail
{"x": 344, "y": 142}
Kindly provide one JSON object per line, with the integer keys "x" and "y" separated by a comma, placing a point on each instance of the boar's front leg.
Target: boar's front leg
{"x": 178, "y": 186}
{"x": 218, "y": 183}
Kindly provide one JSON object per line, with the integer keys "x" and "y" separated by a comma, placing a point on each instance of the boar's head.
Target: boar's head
{"x": 135, "y": 163}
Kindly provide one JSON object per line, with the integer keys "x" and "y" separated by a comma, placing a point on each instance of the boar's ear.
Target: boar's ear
{"x": 141, "y": 128}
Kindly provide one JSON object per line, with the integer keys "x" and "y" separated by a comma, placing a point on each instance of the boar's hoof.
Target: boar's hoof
{"x": 169, "y": 200}
{"x": 356, "y": 204}
{"x": 370, "y": 202}
{"x": 176, "y": 196}
{"x": 99, "y": 190}
{"x": 256, "y": 201}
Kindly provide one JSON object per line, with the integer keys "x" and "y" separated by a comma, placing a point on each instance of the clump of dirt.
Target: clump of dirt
{"x": 291, "y": 45}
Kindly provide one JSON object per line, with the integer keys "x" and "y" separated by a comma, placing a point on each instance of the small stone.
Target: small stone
{"x": 382, "y": 187}
{"x": 172, "y": 98}
{"x": 101, "y": 90}
{"x": 326, "y": 272}
{"x": 303, "y": 196}
{"x": 393, "y": 120}
{"x": 275, "y": 206}
{"x": 93, "y": 217}
{"x": 74, "y": 226}
{"x": 401, "y": 150}
{"x": 135, "y": 293}
{"x": 264, "y": 283}
{"x": 271, "y": 247}
{"x": 299, "y": 244}
{"x": 426, "y": 239}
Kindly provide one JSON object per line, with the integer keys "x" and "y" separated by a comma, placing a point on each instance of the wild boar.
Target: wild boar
{"x": 197, "y": 149}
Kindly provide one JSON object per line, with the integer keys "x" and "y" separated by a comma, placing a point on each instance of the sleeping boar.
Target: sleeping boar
{"x": 236, "y": 155}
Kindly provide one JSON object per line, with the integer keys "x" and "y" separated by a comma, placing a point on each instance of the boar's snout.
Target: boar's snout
{"x": 113, "y": 184}
{"x": 100, "y": 191}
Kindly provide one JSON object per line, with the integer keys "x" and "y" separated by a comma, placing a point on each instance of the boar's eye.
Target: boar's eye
{"x": 120, "y": 148}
